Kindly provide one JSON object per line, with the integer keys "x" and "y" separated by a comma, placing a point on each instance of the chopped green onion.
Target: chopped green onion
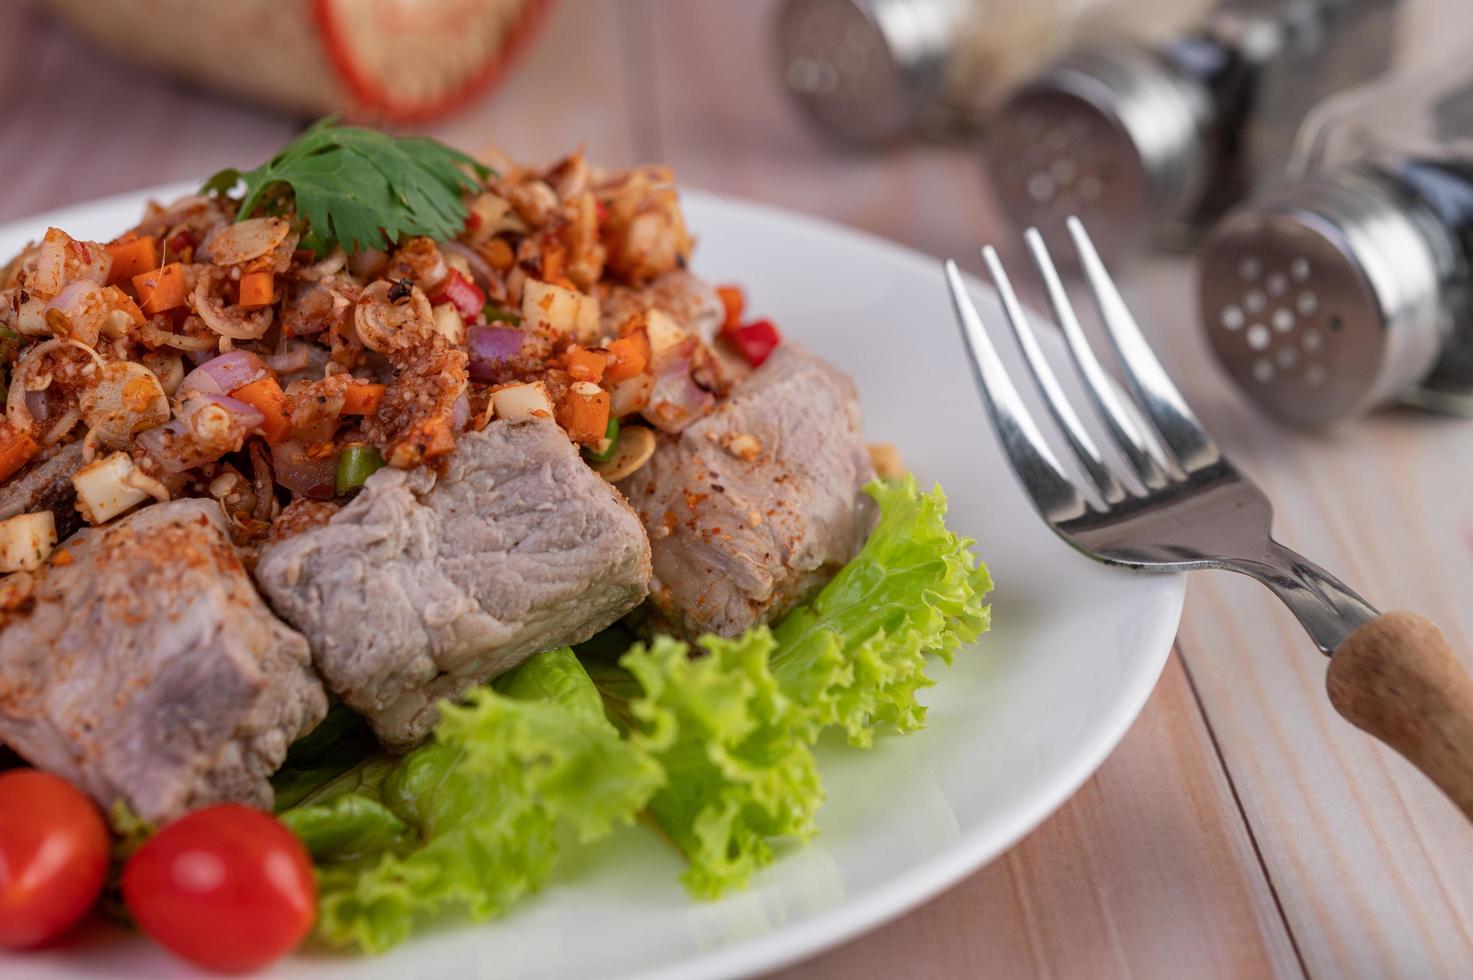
{"x": 604, "y": 451}
{"x": 356, "y": 464}
{"x": 492, "y": 313}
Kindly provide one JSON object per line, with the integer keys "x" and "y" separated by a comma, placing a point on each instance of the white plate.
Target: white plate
{"x": 1014, "y": 728}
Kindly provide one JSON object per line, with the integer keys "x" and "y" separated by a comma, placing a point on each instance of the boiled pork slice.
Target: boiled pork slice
{"x": 46, "y": 485}
{"x": 425, "y": 585}
{"x": 689, "y": 300}
{"x": 754, "y": 506}
{"x": 149, "y": 670}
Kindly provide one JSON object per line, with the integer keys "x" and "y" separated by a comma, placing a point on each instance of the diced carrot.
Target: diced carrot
{"x": 16, "y": 450}
{"x": 257, "y": 289}
{"x": 132, "y": 257}
{"x": 161, "y": 289}
{"x": 584, "y": 414}
{"x": 628, "y": 356}
{"x": 734, "y": 300}
{"x": 122, "y": 301}
{"x": 362, "y": 398}
{"x": 585, "y": 365}
{"x": 266, "y": 397}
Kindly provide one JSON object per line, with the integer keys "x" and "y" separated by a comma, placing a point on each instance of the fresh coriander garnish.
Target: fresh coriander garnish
{"x": 360, "y": 188}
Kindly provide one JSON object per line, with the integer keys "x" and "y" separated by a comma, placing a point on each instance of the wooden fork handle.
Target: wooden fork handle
{"x": 1397, "y": 678}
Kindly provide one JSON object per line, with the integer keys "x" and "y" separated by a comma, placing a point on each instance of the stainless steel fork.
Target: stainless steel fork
{"x": 1189, "y": 508}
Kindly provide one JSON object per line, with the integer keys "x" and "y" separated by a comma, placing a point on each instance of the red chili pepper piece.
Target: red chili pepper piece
{"x": 756, "y": 340}
{"x": 467, "y": 298}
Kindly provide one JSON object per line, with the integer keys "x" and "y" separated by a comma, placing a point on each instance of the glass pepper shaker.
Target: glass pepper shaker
{"x": 1150, "y": 144}
{"x": 1351, "y": 285}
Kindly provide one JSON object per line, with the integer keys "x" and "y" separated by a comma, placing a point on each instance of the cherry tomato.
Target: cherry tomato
{"x": 227, "y": 887}
{"x": 53, "y": 857}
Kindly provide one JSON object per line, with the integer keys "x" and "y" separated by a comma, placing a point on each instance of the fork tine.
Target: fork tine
{"x": 1157, "y": 397}
{"x": 1078, "y": 440}
{"x": 1033, "y": 463}
{"x": 1102, "y": 391}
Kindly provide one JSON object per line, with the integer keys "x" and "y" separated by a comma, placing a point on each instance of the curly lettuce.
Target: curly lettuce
{"x": 732, "y": 721}
{"x": 472, "y": 820}
{"x": 855, "y": 656}
{"x": 738, "y": 769}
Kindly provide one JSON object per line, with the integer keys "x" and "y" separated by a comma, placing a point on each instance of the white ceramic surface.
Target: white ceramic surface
{"x": 1014, "y": 727}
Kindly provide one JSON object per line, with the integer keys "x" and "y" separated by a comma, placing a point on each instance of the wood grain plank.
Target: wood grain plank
{"x": 75, "y": 123}
{"x": 1146, "y": 872}
{"x": 1367, "y": 855}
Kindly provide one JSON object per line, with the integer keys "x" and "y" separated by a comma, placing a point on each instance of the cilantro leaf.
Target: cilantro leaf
{"x": 360, "y": 188}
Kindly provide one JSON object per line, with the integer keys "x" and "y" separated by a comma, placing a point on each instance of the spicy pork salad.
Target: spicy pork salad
{"x": 383, "y": 522}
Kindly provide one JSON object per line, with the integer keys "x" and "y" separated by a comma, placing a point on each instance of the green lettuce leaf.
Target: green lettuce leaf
{"x": 470, "y": 821}
{"x": 855, "y": 655}
{"x": 732, "y": 722}
{"x": 738, "y": 768}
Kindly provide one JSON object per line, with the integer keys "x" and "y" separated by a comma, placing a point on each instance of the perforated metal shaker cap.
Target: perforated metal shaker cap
{"x": 1111, "y": 134}
{"x": 1322, "y": 300}
{"x": 865, "y": 70}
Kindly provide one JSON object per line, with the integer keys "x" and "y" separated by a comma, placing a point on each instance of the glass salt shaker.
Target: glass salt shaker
{"x": 1150, "y": 144}
{"x": 871, "y": 72}
{"x": 1351, "y": 285}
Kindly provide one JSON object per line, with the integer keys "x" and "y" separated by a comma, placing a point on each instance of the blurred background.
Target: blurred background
{"x": 939, "y": 123}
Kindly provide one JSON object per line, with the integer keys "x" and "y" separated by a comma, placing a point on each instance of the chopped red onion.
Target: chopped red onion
{"x": 300, "y": 473}
{"x": 480, "y": 270}
{"x": 176, "y": 444}
{"x": 248, "y": 415}
{"x": 676, "y": 400}
{"x": 490, "y": 347}
{"x": 165, "y": 443}
{"x": 460, "y": 412}
{"x": 224, "y": 374}
{"x": 38, "y": 405}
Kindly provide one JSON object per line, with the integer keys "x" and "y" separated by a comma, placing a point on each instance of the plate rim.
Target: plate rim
{"x": 852, "y": 916}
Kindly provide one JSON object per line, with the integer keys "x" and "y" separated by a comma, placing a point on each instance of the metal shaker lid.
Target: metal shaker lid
{"x": 1322, "y": 299}
{"x": 1111, "y": 134}
{"x": 865, "y": 70}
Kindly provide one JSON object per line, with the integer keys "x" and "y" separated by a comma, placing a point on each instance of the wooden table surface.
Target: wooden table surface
{"x": 1240, "y": 829}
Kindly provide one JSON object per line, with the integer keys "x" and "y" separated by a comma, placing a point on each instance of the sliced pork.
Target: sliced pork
{"x": 425, "y": 585}
{"x": 754, "y": 506}
{"x": 147, "y": 669}
{"x": 46, "y": 485}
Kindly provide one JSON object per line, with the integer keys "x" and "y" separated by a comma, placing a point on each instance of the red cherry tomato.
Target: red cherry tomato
{"x": 53, "y": 857}
{"x": 227, "y": 887}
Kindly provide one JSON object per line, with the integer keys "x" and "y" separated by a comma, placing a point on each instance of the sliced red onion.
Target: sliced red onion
{"x": 176, "y": 444}
{"x": 480, "y": 269}
{"x": 490, "y": 347}
{"x": 300, "y": 473}
{"x": 676, "y": 400}
{"x": 224, "y": 374}
{"x": 248, "y": 415}
{"x": 75, "y": 296}
{"x": 288, "y": 361}
{"x": 167, "y": 445}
